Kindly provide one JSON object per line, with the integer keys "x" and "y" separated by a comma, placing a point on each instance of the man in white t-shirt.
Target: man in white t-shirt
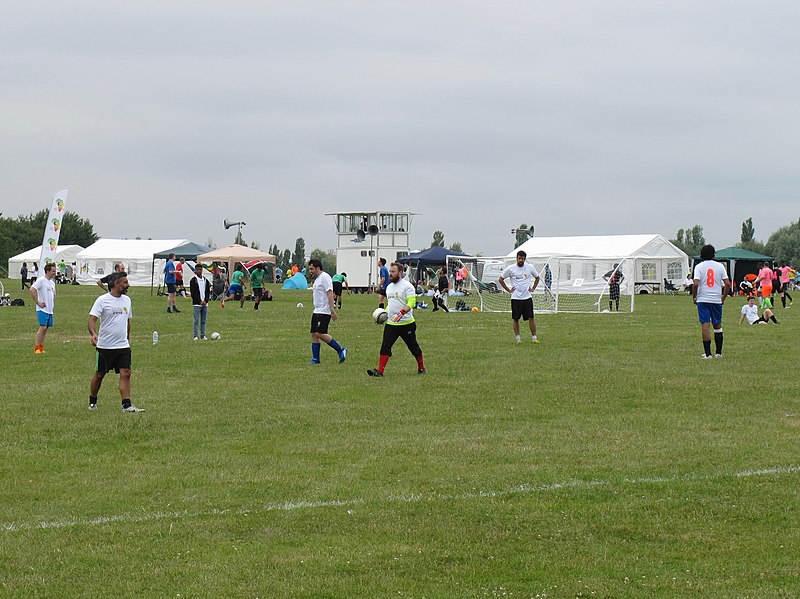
{"x": 711, "y": 287}
{"x": 114, "y": 311}
{"x": 524, "y": 279}
{"x": 43, "y": 292}
{"x": 750, "y": 312}
{"x": 322, "y": 292}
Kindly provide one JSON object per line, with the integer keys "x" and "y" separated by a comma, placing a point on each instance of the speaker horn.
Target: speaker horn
{"x": 228, "y": 224}
{"x": 360, "y": 235}
{"x": 372, "y": 230}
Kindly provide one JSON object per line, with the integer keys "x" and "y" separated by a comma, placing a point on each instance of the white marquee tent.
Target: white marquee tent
{"x": 98, "y": 259}
{"x": 646, "y": 259}
{"x": 67, "y": 253}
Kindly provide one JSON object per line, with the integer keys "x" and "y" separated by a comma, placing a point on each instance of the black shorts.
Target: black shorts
{"x": 337, "y": 288}
{"x": 522, "y": 309}
{"x": 319, "y": 323}
{"x": 613, "y": 291}
{"x": 170, "y": 287}
{"x": 113, "y": 358}
{"x": 257, "y": 292}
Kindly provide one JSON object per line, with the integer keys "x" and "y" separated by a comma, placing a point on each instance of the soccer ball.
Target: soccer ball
{"x": 215, "y": 336}
{"x": 379, "y": 315}
{"x": 474, "y": 309}
{"x": 299, "y": 305}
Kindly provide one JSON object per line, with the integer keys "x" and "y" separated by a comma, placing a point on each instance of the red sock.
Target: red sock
{"x": 382, "y": 363}
{"x": 420, "y": 363}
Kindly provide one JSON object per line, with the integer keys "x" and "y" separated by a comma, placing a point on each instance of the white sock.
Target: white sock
{"x": 516, "y": 337}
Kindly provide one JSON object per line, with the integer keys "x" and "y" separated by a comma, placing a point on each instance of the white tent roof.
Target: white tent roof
{"x": 65, "y": 252}
{"x": 128, "y": 249}
{"x": 601, "y": 246}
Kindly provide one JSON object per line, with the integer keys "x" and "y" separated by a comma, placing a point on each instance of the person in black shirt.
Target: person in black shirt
{"x": 103, "y": 283}
{"x": 442, "y": 291}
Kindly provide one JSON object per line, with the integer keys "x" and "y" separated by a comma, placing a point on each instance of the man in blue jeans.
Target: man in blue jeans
{"x": 200, "y": 290}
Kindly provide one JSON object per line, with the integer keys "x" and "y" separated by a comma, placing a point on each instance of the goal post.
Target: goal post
{"x": 567, "y": 284}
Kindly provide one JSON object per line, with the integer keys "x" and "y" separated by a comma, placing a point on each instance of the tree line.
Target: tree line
{"x": 20, "y": 234}
{"x": 783, "y": 244}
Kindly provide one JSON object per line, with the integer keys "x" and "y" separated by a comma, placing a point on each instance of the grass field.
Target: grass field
{"x": 609, "y": 461}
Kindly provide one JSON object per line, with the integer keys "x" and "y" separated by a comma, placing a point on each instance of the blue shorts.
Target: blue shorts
{"x": 709, "y": 312}
{"x": 235, "y": 290}
{"x": 45, "y": 319}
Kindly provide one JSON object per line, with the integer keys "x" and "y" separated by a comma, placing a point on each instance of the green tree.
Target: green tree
{"x": 327, "y": 258}
{"x": 254, "y": 245}
{"x": 25, "y": 232}
{"x": 690, "y": 240}
{"x": 748, "y": 231}
{"x": 299, "y": 255}
{"x": 286, "y": 261}
{"x": 456, "y": 247}
{"x": 438, "y": 239}
{"x": 784, "y": 244}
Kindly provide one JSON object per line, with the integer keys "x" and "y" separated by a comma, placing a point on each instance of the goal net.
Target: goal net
{"x": 567, "y": 284}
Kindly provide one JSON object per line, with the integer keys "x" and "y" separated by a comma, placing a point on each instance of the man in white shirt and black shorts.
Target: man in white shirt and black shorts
{"x": 113, "y": 309}
{"x": 322, "y": 292}
{"x": 711, "y": 286}
{"x": 524, "y": 279}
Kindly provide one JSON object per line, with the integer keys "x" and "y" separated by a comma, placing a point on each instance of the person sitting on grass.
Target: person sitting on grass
{"x": 750, "y": 312}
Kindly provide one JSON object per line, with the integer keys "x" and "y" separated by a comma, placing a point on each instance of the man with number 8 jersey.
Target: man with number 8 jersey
{"x": 711, "y": 286}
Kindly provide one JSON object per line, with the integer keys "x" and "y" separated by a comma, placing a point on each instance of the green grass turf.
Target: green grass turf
{"x": 609, "y": 461}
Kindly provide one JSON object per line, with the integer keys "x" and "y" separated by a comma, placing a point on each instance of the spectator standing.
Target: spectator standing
{"x": 34, "y": 273}
{"x": 442, "y": 291}
{"x": 170, "y": 280}
{"x": 23, "y": 273}
{"x": 383, "y": 281}
{"x": 200, "y": 290}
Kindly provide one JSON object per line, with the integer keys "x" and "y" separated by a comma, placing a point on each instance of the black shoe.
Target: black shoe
{"x": 374, "y": 372}
{"x": 169, "y": 311}
{"x": 422, "y": 371}
{"x": 175, "y": 310}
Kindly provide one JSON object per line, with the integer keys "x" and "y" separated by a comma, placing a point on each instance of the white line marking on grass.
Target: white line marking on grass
{"x": 524, "y": 488}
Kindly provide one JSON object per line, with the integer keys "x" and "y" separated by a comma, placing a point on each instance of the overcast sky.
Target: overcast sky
{"x": 579, "y": 117}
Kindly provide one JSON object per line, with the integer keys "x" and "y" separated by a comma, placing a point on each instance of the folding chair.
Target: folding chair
{"x": 670, "y": 288}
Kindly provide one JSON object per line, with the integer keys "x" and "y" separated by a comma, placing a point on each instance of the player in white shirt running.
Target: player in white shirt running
{"x": 711, "y": 287}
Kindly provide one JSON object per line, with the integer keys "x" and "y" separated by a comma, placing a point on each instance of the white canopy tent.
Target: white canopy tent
{"x": 98, "y": 259}
{"x": 67, "y": 253}
{"x": 646, "y": 260}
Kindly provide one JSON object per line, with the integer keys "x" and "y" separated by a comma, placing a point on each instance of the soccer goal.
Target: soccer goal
{"x": 567, "y": 284}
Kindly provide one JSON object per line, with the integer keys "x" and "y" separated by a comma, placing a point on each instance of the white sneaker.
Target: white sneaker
{"x": 718, "y": 355}
{"x": 203, "y": 338}
{"x": 705, "y": 357}
{"x": 133, "y": 409}
{"x": 195, "y": 339}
